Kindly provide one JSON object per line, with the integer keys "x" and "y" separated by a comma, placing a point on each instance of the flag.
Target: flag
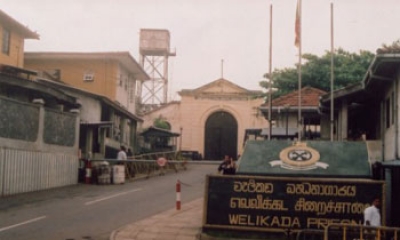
{"x": 297, "y": 27}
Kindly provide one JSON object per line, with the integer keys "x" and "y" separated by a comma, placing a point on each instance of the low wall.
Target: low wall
{"x": 26, "y": 171}
{"x": 38, "y": 147}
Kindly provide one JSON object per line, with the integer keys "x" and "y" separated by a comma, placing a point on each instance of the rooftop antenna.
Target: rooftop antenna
{"x": 222, "y": 68}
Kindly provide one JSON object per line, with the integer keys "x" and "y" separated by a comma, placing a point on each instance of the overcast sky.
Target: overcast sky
{"x": 205, "y": 31}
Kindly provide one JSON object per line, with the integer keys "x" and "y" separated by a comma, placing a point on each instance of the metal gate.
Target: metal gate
{"x": 26, "y": 171}
{"x": 359, "y": 232}
{"x": 220, "y": 136}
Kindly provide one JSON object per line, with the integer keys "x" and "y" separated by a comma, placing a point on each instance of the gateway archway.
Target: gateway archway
{"x": 221, "y": 133}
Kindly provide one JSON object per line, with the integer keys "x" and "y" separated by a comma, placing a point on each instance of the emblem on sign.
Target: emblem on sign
{"x": 299, "y": 157}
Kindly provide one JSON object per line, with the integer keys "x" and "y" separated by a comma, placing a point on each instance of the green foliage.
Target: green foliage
{"x": 161, "y": 123}
{"x": 392, "y": 48}
{"x": 349, "y": 68}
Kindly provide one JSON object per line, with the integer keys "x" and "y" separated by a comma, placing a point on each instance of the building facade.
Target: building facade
{"x": 106, "y": 83}
{"x": 212, "y": 119}
{"x": 39, "y": 136}
{"x": 104, "y": 124}
{"x": 13, "y": 35}
{"x": 39, "y": 125}
{"x": 369, "y": 111}
{"x": 115, "y": 75}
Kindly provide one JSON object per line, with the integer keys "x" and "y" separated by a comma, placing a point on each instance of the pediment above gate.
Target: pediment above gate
{"x": 219, "y": 87}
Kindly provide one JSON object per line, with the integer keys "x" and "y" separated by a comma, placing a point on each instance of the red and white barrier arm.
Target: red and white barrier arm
{"x": 178, "y": 195}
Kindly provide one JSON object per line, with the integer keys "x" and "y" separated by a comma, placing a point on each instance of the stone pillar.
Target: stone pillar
{"x": 40, "y": 102}
{"x": 77, "y": 127}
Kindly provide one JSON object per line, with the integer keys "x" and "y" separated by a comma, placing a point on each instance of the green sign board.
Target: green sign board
{"x": 281, "y": 203}
{"x": 323, "y": 159}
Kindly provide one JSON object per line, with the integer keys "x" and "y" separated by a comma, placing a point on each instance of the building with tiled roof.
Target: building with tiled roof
{"x": 309, "y": 98}
{"x": 285, "y": 113}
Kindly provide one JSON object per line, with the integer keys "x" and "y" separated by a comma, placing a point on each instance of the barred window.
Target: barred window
{"x": 6, "y": 41}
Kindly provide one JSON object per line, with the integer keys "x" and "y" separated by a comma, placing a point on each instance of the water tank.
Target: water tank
{"x": 154, "y": 42}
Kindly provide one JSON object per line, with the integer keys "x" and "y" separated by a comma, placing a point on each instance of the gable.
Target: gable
{"x": 219, "y": 87}
{"x": 14, "y": 26}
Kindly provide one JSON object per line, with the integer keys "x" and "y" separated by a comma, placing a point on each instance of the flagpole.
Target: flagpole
{"x": 298, "y": 22}
{"x": 332, "y": 74}
{"x": 270, "y": 75}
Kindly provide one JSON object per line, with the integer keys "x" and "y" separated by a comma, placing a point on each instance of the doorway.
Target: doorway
{"x": 221, "y": 134}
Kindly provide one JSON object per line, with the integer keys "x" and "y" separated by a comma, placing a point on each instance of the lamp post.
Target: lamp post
{"x": 287, "y": 107}
{"x": 270, "y": 77}
{"x": 180, "y": 142}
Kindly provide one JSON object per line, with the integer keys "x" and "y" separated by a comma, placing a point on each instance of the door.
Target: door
{"x": 220, "y": 136}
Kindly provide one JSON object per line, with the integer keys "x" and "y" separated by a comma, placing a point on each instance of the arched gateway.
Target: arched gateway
{"x": 212, "y": 120}
{"x": 221, "y": 136}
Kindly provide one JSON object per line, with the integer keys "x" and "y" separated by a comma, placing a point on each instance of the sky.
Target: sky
{"x": 204, "y": 32}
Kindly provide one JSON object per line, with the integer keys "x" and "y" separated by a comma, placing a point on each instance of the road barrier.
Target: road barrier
{"x": 178, "y": 195}
{"x": 143, "y": 165}
{"x": 88, "y": 173}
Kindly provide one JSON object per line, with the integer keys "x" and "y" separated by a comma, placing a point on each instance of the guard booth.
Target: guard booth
{"x": 158, "y": 140}
{"x": 286, "y": 188}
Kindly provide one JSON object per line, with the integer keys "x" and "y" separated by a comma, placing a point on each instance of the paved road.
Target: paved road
{"x": 94, "y": 211}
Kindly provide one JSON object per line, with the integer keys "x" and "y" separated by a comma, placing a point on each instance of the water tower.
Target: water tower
{"x": 154, "y": 52}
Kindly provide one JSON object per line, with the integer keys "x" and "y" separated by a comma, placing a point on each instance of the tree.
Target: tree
{"x": 349, "y": 68}
{"x": 160, "y": 122}
{"x": 393, "y": 48}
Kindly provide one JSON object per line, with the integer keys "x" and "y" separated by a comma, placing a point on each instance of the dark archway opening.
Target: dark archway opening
{"x": 221, "y": 133}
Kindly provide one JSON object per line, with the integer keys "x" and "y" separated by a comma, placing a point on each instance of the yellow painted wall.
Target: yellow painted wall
{"x": 191, "y": 114}
{"x": 16, "y": 55}
{"x": 72, "y": 72}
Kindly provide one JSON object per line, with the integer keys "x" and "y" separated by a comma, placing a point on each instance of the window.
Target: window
{"x": 131, "y": 91}
{"x": 127, "y": 133}
{"x": 88, "y": 76}
{"x": 6, "y": 42}
{"x": 117, "y": 128}
{"x": 123, "y": 82}
{"x": 393, "y": 108}
{"x": 388, "y": 112}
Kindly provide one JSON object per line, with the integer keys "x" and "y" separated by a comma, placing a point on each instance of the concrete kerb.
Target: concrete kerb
{"x": 171, "y": 221}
